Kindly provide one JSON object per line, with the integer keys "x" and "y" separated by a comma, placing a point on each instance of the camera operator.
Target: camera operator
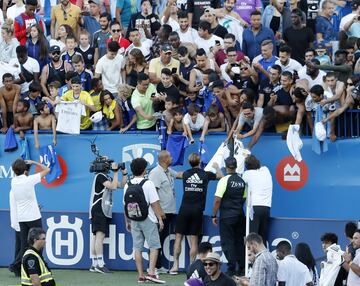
{"x": 101, "y": 208}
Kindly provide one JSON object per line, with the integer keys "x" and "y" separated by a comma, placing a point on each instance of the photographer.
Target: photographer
{"x": 25, "y": 202}
{"x": 101, "y": 206}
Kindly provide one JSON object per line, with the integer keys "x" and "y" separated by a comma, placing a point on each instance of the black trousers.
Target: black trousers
{"x": 17, "y": 249}
{"x": 24, "y": 230}
{"x": 232, "y": 233}
{"x": 168, "y": 229}
{"x": 260, "y": 222}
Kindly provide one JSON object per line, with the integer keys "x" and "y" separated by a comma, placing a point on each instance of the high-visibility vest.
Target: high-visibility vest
{"x": 45, "y": 274}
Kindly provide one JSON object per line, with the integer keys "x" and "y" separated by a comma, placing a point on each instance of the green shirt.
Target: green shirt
{"x": 144, "y": 101}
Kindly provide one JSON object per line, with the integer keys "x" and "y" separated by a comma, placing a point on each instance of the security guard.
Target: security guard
{"x": 229, "y": 198}
{"x": 34, "y": 270}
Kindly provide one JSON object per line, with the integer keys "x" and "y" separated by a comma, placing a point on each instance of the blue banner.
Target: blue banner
{"x": 318, "y": 187}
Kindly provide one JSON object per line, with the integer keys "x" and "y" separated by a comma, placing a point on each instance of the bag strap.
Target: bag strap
{"x": 142, "y": 182}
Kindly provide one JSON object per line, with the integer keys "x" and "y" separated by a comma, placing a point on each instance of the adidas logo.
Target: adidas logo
{"x": 194, "y": 179}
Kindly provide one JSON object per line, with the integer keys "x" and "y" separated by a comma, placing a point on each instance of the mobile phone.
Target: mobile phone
{"x": 152, "y": 95}
{"x": 173, "y": 70}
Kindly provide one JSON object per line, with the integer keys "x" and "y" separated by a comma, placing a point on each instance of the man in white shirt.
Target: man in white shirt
{"x": 186, "y": 32}
{"x": 353, "y": 266}
{"x": 291, "y": 271}
{"x": 206, "y": 40}
{"x": 260, "y": 186}
{"x": 312, "y": 74}
{"x": 350, "y": 23}
{"x": 25, "y": 202}
{"x": 143, "y": 45}
{"x": 286, "y": 62}
{"x": 28, "y": 68}
{"x": 111, "y": 68}
{"x": 147, "y": 229}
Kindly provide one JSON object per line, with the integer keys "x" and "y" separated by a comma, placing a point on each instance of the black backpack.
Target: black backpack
{"x": 136, "y": 206}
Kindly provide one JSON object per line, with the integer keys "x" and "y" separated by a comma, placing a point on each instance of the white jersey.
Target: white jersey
{"x": 69, "y": 116}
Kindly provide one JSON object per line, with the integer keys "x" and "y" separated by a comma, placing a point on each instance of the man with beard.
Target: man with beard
{"x": 101, "y": 37}
{"x": 298, "y": 37}
{"x": 53, "y": 71}
{"x": 216, "y": 28}
{"x": 186, "y": 32}
{"x": 64, "y": 13}
{"x": 197, "y": 7}
{"x": 285, "y": 60}
{"x": 312, "y": 74}
{"x": 228, "y": 10}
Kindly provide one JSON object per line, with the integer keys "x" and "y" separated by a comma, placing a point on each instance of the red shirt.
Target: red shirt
{"x": 220, "y": 57}
{"x": 123, "y": 42}
{"x": 21, "y": 23}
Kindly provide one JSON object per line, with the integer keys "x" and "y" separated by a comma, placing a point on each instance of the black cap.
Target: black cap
{"x": 231, "y": 163}
{"x": 166, "y": 48}
{"x": 54, "y": 49}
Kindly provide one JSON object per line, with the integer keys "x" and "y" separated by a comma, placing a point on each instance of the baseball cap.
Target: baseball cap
{"x": 320, "y": 47}
{"x": 194, "y": 282}
{"x": 96, "y": 117}
{"x": 210, "y": 10}
{"x": 166, "y": 48}
{"x": 231, "y": 163}
{"x": 97, "y": 2}
{"x": 212, "y": 256}
{"x": 54, "y": 49}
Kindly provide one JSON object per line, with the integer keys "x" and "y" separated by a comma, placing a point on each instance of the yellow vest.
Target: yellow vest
{"x": 109, "y": 110}
{"x": 45, "y": 275}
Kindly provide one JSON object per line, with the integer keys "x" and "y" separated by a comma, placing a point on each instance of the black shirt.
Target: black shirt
{"x": 266, "y": 88}
{"x": 283, "y": 98}
{"x": 171, "y": 91}
{"x": 244, "y": 83}
{"x": 88, "y": 57}
{"x": 197, "y": 7}
{"x": 195, "y": 183}
{"x": 223, "y": 280}
{"x": 219, "y": 31}
{"x": 185, "y": 72}
{"x": 96, "y": 209}
{"x": 32, "y": 266}
{"x": 196, "y": 270}
{"x": 299, "y": 41}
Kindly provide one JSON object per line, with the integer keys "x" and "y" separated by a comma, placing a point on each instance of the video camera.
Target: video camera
{"x": 102, "y": 164}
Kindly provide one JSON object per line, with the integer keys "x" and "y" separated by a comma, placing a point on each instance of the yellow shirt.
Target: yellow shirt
{"x": 96, "y": 99}
{"x": 156, "y": 66}
{"x": 72, "y": 17}
{"x": 85, "y": 97}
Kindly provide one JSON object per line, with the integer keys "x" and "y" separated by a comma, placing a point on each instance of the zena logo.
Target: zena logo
{"x": 147, "y": 151}
{"x": 291, "y": 174}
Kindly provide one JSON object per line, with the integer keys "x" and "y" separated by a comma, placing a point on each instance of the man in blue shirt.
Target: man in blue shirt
{"x": 90, "y": 22}
{"x": 255, "y": 35}
{"x": 265, "y": 60}
{"x": 324, "y": 27}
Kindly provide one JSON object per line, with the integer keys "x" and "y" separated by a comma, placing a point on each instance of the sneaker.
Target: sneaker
{"x": 92, "y": 269}
{"x": 154, "y": 278}
{"x": 156, "y": 271}
{"x": 161, "y": 270}
{"x": 141, "y": 280}
{"x": 102, "y": 270}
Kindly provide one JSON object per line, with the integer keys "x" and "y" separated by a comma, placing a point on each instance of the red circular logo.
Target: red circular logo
{"x": 291, "y": 174}
{"x": 60, "y": 180}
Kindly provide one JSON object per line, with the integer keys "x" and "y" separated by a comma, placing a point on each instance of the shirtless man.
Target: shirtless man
{"x": 45, "y": 121}
{"x": 23, "y": 120}
{"x": 9, "y": 96}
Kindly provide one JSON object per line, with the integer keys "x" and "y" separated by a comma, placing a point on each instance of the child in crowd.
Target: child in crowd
{"x": 86, "y": 50}
{"x": 186, "y": 65}
{"x": 68, "y": 76}
{"x": 34, "y": 96}
{"x": 322, "y": 56}
{"x": 129, "y": 116}
{"x": 110, "y": 110}
{"x": 214, "y": 121}
{"x": 9, "y": 95}
{"x": 84, "y": 74}
{"x": 67, "y": 56}
{"x": 176, "y": 123}
{"x": 45, "y": 121}
{"x": 170, "y": 104}
{"x": 23, "y": 120}
{"x": 97, "y": 88}
{"x": 193, "y": 121}
{"x": 193, "y": 98}
{"x": 54, "y": 97}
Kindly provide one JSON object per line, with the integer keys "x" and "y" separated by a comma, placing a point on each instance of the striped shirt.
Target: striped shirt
{"x": 264, "y": 271}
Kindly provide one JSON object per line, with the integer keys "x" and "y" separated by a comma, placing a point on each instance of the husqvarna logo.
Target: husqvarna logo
{"x": 291, "y": 174}
{"x": 147, "y": 151}
{"x": 65, "y": 241}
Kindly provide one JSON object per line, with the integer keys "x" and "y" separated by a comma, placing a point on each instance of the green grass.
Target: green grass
{"x": 85, "y": 278}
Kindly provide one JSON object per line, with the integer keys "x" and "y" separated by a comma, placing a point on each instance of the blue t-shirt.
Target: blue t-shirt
{"x": 125, "y": 15}
{"x": 91, "y": 25}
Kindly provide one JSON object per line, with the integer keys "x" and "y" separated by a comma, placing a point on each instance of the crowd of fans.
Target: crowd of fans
{"x": 199, "y": 66}
{"x": 242, "y": 66}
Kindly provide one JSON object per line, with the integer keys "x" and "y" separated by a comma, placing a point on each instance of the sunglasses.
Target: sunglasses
{"x": 55, "y": 53}
{"x": 349, "y": 83}
{"x": 116, "y": 31}
{"x": 244, "y": 69}
{"x": 211, "y": 264}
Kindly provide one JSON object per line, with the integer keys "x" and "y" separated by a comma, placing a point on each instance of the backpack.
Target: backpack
{"x": 136, "y": 206}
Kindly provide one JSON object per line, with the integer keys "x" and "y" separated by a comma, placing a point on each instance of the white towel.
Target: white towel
{"x": 294, "y": 142}
{"x": 219, "y": 157}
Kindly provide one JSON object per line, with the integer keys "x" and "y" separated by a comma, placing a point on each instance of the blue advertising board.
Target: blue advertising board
{"x": 318, "y": 187}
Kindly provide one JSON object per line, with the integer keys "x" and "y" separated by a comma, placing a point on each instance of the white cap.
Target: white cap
{"x": 96, "y": 117}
